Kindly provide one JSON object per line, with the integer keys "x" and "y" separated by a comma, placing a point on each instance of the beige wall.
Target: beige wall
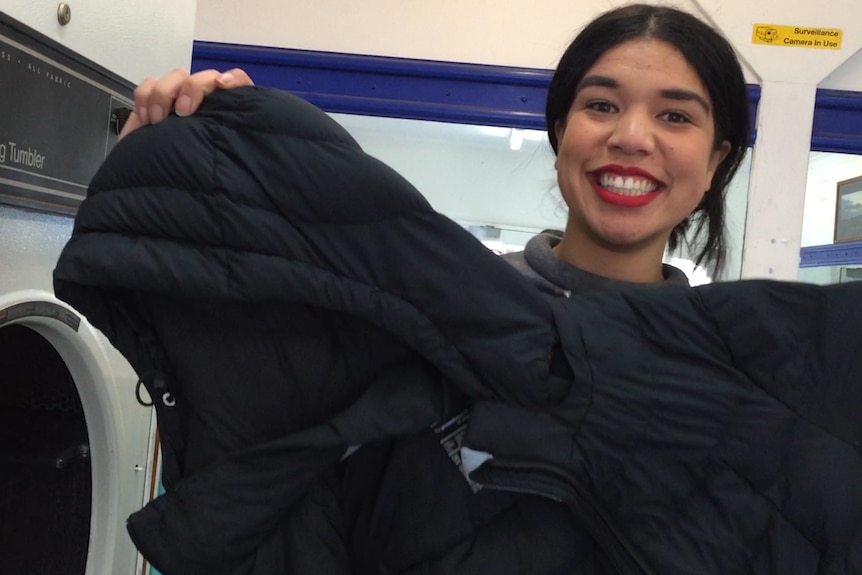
{"x": 510, "y": 33}
{"x": 132, "y": 38}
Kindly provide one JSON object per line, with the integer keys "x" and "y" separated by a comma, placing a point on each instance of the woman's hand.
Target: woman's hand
{"x": 178, "y": 91}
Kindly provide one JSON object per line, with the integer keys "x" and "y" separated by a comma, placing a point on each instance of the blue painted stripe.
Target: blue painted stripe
{"x": 392, "y": 87}
{"x": 841, "y": 254}
{"x": 837, "y": 122}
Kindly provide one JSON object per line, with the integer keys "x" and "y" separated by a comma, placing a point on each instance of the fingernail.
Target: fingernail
{"x": 143, "y": 116}
{"x": 183, "y": 107}
{"x": 157, "y": 114}
{"x": 225, "y": 78}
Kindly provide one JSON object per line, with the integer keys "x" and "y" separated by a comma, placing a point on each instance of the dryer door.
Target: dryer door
{"x": 73, "y": 447}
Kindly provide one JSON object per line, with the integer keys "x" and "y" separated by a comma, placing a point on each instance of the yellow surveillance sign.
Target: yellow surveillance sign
{"x": 797, "y": 36}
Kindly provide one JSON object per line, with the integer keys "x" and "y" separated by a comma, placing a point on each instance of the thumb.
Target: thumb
{"x": 132, "y": 124}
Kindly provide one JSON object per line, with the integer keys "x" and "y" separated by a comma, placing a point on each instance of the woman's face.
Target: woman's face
{"x": 637, "y": 152}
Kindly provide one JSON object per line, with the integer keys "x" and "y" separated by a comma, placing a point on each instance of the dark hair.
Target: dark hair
{"x": 716, "y": 64}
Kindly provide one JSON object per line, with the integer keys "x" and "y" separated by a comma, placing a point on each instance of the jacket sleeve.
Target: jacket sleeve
{"x": 800, "y": 343}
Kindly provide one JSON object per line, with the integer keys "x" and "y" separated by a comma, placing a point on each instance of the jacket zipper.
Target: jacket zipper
{"x": 626, "y": 559}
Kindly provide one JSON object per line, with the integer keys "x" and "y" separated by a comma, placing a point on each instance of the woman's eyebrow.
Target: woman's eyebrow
{"x": 600, "y": 81}
{"x": 685, "y": 96}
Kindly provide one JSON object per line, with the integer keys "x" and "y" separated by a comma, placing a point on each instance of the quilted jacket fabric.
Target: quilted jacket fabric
{"x": 287, "y": 298}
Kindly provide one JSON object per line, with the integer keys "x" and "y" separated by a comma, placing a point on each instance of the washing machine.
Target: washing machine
{"x": 76, "y": 442}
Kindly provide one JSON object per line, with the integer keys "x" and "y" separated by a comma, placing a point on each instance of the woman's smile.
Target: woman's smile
{"x": 625, "y": 187}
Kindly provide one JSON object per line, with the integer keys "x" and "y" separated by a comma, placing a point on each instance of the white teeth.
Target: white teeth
{"x": 627, "y": 186}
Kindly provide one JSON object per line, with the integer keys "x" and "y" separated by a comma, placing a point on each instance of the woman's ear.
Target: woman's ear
{"x": 559, "y": 132}
{"x": 718, "y": 156}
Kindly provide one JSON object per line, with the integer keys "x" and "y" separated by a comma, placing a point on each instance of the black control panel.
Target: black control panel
{"x": 59, "y": 117}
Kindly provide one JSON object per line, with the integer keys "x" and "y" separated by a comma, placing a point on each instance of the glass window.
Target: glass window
{"x": 501, "y": 183}
{"x": 826, "y": 170}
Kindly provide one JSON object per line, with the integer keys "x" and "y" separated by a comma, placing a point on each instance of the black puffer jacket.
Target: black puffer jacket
{"x": 285, "y": 297}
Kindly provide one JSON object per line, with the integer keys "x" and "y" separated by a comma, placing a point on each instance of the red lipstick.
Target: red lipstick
{"x": 626, "y": 171}
{"x": 621, "y": 200}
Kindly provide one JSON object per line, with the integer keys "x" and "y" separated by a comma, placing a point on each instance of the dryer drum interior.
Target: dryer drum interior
{"x": 45, "y": 471}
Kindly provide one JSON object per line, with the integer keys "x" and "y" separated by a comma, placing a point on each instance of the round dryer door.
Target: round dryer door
{"x": 73, "y": 443}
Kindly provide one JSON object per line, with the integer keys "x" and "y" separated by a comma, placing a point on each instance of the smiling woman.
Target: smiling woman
{"x": 636, "y": 154}
{"x": 654, "y": 100}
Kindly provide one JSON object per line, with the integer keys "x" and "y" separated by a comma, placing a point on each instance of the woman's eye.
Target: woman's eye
{"x": 600, "y": 106}
{"x": 676, "y": 117}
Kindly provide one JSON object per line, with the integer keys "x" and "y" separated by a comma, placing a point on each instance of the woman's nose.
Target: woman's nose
{"x": 632, "y": 133}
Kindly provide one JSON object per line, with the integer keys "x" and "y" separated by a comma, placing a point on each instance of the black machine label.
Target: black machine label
{"x": 56, "y": 121}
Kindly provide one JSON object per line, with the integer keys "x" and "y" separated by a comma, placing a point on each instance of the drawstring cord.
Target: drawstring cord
{"x": 159, "y": 385}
